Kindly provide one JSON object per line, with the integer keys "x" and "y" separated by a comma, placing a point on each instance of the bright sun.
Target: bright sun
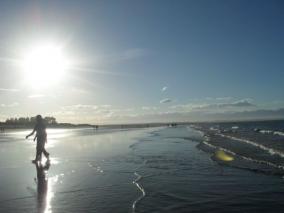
{"x": 44, "y": 65}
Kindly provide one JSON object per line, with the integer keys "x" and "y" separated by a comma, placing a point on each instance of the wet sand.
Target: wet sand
{"x": 138, "y": 170}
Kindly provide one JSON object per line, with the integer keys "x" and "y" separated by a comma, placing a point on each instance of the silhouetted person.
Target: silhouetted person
{"x": 41, "y": 138}
{"x": 42, "y": 186}
{"x": 95, "y": 127}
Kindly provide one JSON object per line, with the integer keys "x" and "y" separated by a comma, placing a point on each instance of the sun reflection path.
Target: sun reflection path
{"x": 50, "y": 195}
{"x": 44, "y": 188}
{"x": 46, "y": 185}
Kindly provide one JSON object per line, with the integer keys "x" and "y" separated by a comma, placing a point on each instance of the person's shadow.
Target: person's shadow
{"x": 42, "y": 185}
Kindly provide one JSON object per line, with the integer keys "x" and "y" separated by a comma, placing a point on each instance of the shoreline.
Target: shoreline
{"x": 140, "y": 125}
{"x": 243, "y": 153}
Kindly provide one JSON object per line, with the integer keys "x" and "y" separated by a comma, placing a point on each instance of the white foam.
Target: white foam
{"x": 266, "y": 131}
{"x": 278, "y": 133}
{"x": 271, "y": 132}
{"x": 197, "y": 131}
{"x": 245, "y": 158}
{"x": 139, "y": 177}
{"x": 213, "y": 129}
{"x": 269, "y": 150}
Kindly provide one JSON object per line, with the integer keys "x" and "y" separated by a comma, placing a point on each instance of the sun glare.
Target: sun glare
{"x": 44, "y": 65}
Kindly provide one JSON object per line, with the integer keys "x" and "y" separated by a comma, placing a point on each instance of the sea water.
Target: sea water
{"x": 138, "y": 170}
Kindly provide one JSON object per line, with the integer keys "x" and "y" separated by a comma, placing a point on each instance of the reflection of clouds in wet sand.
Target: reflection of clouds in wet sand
{"x": 44, "y": 190}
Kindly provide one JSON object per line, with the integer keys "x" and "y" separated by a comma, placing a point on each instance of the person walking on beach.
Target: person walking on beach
{"x": 41, "y": 138}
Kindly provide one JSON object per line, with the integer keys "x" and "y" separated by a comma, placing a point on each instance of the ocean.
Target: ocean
{"x": 161, "y": 169}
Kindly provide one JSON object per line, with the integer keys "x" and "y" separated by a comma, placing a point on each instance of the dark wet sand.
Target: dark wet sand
{"x": 144, "y": 170}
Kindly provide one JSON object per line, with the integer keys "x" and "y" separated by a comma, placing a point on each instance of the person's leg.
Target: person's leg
{"x": 39, "y": 149}
{"x": 46, "y": 154}
{"x": 38, "y": 154}
{"x": 41, "y": 144}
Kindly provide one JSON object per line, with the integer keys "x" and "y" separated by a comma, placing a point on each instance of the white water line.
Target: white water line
{"x": 245, "y": 158}
{"x": 269, "y": 150}
{"x": 139, "y": 177}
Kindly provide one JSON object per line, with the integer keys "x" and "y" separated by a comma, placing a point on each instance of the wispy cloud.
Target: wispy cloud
{"x": 244, "y": 103}
{"x": 36, "y": 96}
{"x": 166, "y": 100}
{"x": 92, "y": 113}
{"x": 118, "y": 57}
{"x": 224, "y": 98}
{"x": 218, "y": 116}
{"x": 10, "y": 105}
{"x": 134, "y": 53}
{"x": 237, "y": 110}
{"x": 146, "y": 108}
{"x": 88, "y": 109}
{"x": 164, "y": 89}
{"x": 182, "y": 107}
{"x": 80, "y": 107}
{"x": 239, "y": 103}
{"x": 9, "y": 90}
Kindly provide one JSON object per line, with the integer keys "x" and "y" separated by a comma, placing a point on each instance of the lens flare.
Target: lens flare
{"x": 221, "y": 155}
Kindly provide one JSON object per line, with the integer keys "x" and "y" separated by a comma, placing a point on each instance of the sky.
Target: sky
{"x": 144, "y": 61}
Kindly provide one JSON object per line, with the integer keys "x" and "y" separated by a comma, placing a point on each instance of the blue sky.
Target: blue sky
{"x": 216, "y": 59}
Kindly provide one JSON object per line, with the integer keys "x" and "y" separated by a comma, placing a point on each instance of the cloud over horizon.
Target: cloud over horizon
{"x": 240, "y": 109}
{"x": 239, "y": 103}
{"x": 10, "y": 105}
{"x": 243, "y": 103}
{"x": 9, "y": 90}
{"x": 204, "y": 117}
{"x": 36, "y": 96}
{"x": 166, "y": 100}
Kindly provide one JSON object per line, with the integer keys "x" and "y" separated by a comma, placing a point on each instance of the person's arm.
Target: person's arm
{"x": 31, "y": 133}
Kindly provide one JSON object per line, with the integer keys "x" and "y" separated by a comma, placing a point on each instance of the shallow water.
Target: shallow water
{"x": 257, "y": 146}
{"x": 142, "y": 170}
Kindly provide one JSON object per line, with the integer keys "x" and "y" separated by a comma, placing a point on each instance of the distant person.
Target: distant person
{"x": 40, "y": 137}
